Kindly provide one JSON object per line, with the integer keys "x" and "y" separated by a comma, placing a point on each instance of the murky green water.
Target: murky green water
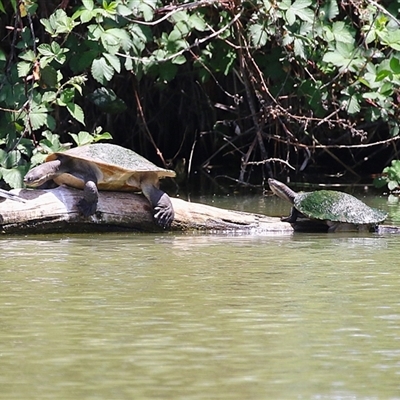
{"x": 123, "y": 316}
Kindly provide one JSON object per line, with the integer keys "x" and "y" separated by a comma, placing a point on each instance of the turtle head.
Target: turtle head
{"x": 35, "y": 177}
{"x": 281, "y": 190}
{"x": 42, "y": 173}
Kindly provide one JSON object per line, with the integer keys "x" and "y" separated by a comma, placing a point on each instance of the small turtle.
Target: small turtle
{"x": 337, "y": 209}
{"x": 104, "y": 166}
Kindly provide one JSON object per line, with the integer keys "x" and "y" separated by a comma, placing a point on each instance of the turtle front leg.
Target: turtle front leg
{"x": 163, "y": 211}
{"x": 294, "y": 214}
{"x": 88, "y": 205}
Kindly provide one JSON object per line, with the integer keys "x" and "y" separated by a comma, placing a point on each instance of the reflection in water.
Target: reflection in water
{"x": 200, "y": 317}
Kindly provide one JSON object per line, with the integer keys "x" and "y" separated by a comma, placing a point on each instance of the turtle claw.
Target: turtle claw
{"x": 163, "y": 216}
{"x": 163, "y": 211}
{"x": 86, "y": 208}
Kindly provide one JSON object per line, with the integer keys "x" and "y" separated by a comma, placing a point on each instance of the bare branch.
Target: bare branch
{"x": 334, "y": 146}
{"x": 272, "y": 159}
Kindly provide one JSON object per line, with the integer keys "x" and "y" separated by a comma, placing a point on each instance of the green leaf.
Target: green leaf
{"x": 49, "y": 96}
{"x": 37, "y": 159}
{"x": 3, "y": 157}
{"x": 87, "y": 16}
{"x": 102, "y": 136}
{"x": 37, "y": 117}
{"x": 88, "y": 4}
{"x": 301, "y": 4}
{"x": 110, "y": 42}
{"x": 351, "y": 103}
{"x": 302, "y": 11}
{"x": 391, "y": 38}
{"x": 28, "y": 55}
{"x": 395, "y": 65}
{"x": 52, "y": 52}
{"x": 48, "y": 26}
{"x": 298, "y": 47}
{"x": 51, "y": 142}
{"x": 258, "y": 35}
{"x": 179, "y": 60}
{"x": 122, "y": 36}
{"x": 290, "y": 16}
{"x": 102, "y": 70}
{"x": 67, "y": 95}
{"x": 82, "y": 138}
{"x": 383, "y": 74}
{"x": 23, "y": 68}
{"x": 83, "y": 61}
{"x": 344, "y": 57}
{"x": 392, "y": 185}
{"x": 113, "y": 61}
{"x": 222, "y": 57}
{"x": 45, "y": 49}
{"x": 380, "y": 182}
{"x": 330, "y": 9}
{"x": 76, "y": 111}
{"x": 299, "y": 9}
{"x": 58, "y": 22}
{"x": 140, "y": 36}
{"x": 123, "y": 10}
{"x": 341, "y": 32}
{"x": 9, "y": 159}
{"x": 174, "y": 35}
{"x": 197, "y": 22}
{"x": 168, "y": 71}
{"x": 180, "y": 16}
{"x": 94, "y": 32}
{"x": 14, "y": 177}
{"x": 394, "y": 129}
{"x": 107, "y": 100}
{"x": 48, "y": 76}
{"x": 148, "y": 12}
{"x": 110, "y": 7}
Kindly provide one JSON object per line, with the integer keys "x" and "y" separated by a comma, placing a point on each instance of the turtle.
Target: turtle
{"x": 338, "y": 210}
{"x": 105, "y": 166}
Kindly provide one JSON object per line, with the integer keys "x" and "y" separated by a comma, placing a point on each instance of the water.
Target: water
{"x": 190, "y": 316}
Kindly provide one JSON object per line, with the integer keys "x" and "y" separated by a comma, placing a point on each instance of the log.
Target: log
{"x": 54, "y": 210}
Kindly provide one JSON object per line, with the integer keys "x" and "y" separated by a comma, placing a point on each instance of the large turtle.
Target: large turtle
{"x": 105, "y": 167}
{"x": 337, "y": 209}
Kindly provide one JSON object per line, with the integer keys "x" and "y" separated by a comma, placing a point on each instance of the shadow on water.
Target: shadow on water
{"x": 200, "y": 316}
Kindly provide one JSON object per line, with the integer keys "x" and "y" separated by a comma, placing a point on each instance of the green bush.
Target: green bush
{"x": 251, "y": 82}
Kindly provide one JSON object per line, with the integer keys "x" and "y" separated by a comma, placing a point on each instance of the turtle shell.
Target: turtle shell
{"x": 337, "y": 207}
{"x": 116, "y": 167}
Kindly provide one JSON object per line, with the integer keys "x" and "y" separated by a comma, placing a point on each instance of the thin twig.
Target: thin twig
{"x": 384, "y": 11}
{"x": 196, "y": 43}
{"x": 272, "y": 159}
{"x": 175, "y": 9}
{"x": 334, "y": 146}
{"x": 146, "y": 128}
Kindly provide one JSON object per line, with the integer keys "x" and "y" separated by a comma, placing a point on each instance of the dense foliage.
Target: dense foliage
{"x": 259, "y": 87}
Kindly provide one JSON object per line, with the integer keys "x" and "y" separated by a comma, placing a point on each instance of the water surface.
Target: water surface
{"x": 190, "y": 316}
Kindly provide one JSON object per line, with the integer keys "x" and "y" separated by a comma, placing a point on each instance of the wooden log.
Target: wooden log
{"x": 54, "y": 210}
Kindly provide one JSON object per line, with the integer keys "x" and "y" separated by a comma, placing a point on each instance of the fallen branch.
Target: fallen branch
{"x": 51, "y": 211}
{"x": 55, "y": 211}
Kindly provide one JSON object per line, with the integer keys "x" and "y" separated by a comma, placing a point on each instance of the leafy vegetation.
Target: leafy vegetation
{"x": 261, "y": 87}
{"x": 390, "y": 177}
